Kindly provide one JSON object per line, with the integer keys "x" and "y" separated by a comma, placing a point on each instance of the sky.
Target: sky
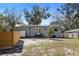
{"x": 20, "y": 6}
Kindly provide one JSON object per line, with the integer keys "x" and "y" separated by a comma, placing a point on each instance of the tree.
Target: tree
{"x": 67, "y": 11}
{"x": 12, "y": 18}
{"x": 69, "y": 19}
{"x": 35, "y": 16}
{"x": 2, "y": 19}
{"x": 76, "y": 15}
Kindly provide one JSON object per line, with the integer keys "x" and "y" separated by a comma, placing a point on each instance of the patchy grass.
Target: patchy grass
{"x": 64, "y": 47}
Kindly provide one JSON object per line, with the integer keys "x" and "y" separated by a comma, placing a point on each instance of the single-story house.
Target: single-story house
{"x": 72, "y": 33}
{"x": 32, "y": 30}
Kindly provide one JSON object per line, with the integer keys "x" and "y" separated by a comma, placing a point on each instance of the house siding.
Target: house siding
{"x": 72, "y": 34}
{"x": 30, "y": 31}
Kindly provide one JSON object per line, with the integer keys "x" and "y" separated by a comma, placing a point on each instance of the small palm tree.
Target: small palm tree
{"x": 50, "y": 31}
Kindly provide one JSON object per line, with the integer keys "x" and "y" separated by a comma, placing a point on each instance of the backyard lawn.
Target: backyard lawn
{"x": 56, "y": 47}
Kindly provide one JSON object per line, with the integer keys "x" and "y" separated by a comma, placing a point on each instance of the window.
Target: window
{"x": 55, "y": 29}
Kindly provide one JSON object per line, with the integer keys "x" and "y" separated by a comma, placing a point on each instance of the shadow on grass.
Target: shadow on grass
{"x": 16, "y": 49}
{"x": 56, "y": 39}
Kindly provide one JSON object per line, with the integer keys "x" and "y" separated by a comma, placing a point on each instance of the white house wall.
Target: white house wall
{"x": 43, "y": 31}
{"x": 58, "y": 33}
{"x": 75, "y": 35}
{"x": 22, "y": 33}
{"x": 32, "y": 30}
{"x": 72, "y": 35}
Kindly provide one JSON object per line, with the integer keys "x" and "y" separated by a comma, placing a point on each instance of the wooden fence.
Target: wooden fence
{"x": 8, "y": 39}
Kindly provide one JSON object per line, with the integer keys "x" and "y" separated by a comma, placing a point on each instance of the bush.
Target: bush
{"x": 49, "y": 31}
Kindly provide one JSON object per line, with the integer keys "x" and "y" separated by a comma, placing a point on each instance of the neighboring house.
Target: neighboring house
{"x": 72, "y": 33}
{"x": 32, "y": 30}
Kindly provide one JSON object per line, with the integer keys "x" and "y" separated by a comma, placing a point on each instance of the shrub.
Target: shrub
{"x": 50, "y": 31}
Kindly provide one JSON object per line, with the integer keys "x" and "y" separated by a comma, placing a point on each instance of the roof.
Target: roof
{"x": 37, "y": 25}
{"x": 74, "y": 30}
{"x": 24, "y": 27}
{"x": 30, "y": 25}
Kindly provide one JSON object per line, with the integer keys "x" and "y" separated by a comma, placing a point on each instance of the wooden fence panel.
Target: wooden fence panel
{"x": 8, "y": 39}
{"x": 15, "y": 37}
